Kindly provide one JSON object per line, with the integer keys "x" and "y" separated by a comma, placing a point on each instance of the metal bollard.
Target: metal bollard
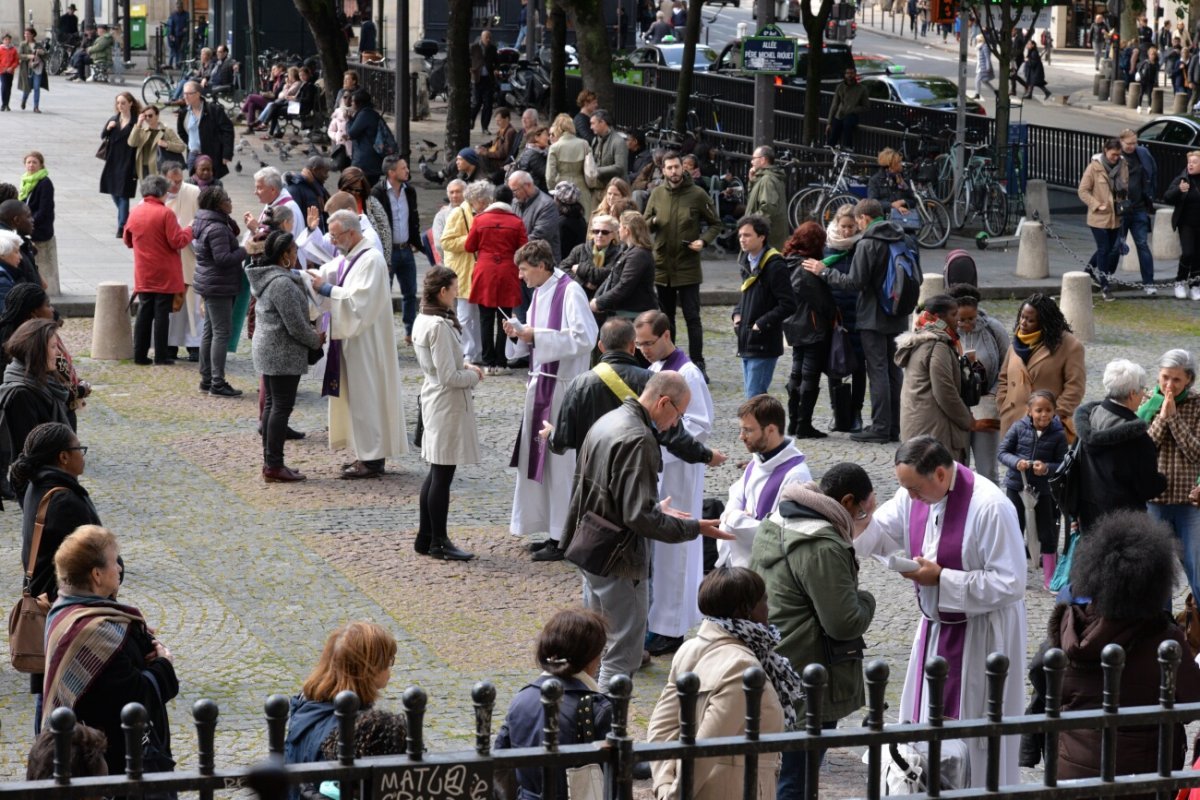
{"x": 936, "y": 671}
{"x": 687, "y": 687}
{"x": 1054, "y": 663}
{"x": 997, "y": 674}
{"x": 133, "y": 725}
{"x": 1112, "y": 663}
{"x": 754, "y": 680}
{"x": 62, "y": 725}
{"x": 552, "y": 694}
{"x": 876, "y": 674}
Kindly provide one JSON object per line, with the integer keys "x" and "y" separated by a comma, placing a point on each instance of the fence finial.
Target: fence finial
{"x": 1054, "y": 662}
{"x": 1112, "y": 662}
{"x": 687, "y": 686}
{"x": 936, "y": 670}
{"x": 133, "y": 723}
{"x": 1169, "y": 656}
{"x": 552, "y": 693}
{"x": 345, "y": 709}
{"x": 414, "y": 699}
{"x": 62, "y": 725}
{"x": 813, "y": 679}
{"x": 877, "y": 674}
{"x": 276, "y": 710}
{"x": 204, "y": 714}
{"x": 483, "y": 695}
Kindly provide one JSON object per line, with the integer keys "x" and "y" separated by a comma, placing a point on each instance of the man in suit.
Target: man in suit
{"x": 484, "y": 60}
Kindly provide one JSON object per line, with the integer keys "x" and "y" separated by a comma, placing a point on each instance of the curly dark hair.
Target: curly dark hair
{"x": 376, "y": 733}
{"x": 807, "y": 241}
{"x": 1054, "y": 325}
{"x": 1128, "y": 565}
{"x": 211, "y": 198}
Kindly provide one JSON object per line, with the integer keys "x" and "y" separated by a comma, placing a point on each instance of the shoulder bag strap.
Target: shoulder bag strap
{"x": 613, "y": 381}
{"x": 38, "y": 524}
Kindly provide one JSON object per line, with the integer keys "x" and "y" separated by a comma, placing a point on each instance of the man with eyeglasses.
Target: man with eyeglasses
{"x": 207, "y": 130}
{"x": 590, "y": 261}
{"x": 678, "y": 568}
{"x": 616, "y": 491}
{"x": 768, "y": 195}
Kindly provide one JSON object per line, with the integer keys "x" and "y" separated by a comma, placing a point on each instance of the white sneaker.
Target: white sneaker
{"x": 1149, "y": 290}
{"x": 1181, "y": 291}
{"x": 1196, "y": 292}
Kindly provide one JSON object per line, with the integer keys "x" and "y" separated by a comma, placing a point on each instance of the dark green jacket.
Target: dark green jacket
{"x": 768, "y": 196}
{"x": 812, "y": 583}
{"x": 675, "y": 216}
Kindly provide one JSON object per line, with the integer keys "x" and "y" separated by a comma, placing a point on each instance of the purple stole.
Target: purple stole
{"x": 770, "y": 490}
{"x": 676, "y": 360}
{"x": 543, "y": 393}
{"x": 331, "y": 385}
{"x": 952, "y": 632}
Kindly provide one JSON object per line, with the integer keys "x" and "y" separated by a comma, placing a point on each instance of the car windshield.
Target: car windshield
{"x": 834, "y": 64}
{"x": 927, "y": 91}
{"x": 673, "y": 57}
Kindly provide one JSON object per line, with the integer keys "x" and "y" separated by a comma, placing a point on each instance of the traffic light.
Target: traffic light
{"x": 943, "y": 12}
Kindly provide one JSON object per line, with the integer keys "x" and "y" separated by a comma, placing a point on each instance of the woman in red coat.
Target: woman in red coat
{"x": 495, "y": 236}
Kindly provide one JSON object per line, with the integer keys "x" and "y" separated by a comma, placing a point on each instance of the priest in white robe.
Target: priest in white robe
{"x": 558, "y": 337}
{"x": 362, "y": 375}
{"x": 183, "y": 198}
{"x": 677, "y": 569}
{"x": 962, "y": 531}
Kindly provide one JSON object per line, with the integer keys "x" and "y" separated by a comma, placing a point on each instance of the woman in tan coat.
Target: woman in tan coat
{"x": 564, "y": 160}
{"x": 1104, "y": 185}
{"x": 154, "y": 142}
{"x": 1043, "y": 355}
{"x": 733, "y": 637}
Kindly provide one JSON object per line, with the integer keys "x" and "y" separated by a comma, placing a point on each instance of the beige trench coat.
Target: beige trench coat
{"x": 447, "y": 405}
{"x": 564, "y": 162}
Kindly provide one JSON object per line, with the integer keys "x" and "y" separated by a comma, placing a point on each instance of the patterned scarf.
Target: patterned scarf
{"x": 762, "y": 641}
{"x": 932, "y": 322}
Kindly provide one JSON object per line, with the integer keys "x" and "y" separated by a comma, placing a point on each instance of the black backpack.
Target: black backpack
{"x": 974, "y": 381}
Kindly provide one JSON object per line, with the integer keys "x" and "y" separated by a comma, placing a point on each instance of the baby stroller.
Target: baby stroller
{"x": 960, "y": 268}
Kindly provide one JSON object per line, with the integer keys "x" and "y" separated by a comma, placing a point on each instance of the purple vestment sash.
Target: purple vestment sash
{"x": 676, "y": 360}
{"x": 952, "y": 632}
{"x": 543, "y": 393}
{"x": 770, "y": 490}
{"x": 331, "y": 385}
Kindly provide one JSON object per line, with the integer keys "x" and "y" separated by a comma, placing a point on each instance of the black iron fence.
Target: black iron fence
{"x": 472, "y": 775}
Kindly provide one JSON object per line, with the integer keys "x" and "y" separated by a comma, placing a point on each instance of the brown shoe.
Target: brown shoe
{"x": 282, "y": 475}
{"x": 360, "y": 470}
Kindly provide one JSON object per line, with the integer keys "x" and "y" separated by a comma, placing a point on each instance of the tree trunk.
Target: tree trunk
{"x": 331, "y": 44}
{"x": 814, "y": 26}
{"x": 691, "y": 36}
{"x": 559, "y": 104}
{"x": 591, "y": 43}
{"x": 458, "y": 77}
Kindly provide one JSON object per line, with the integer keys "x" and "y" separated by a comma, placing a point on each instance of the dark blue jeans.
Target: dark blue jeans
{"x": 1108, "y": 244}
{"x": 404, "y": 270}
{"x": 1138, "y": 223}
{"x": 794, "y": 769}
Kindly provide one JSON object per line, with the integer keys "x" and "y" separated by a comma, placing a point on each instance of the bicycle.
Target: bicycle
{"x": 935, "y": 219}
{"x": 158, "y": 87}
{"x": 980, "y": 195}
{"x": 821, "y": 202}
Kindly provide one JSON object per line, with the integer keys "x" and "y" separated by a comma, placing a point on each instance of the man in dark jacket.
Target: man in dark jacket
{"x": 1143, "y": 183}
{"x": 399, "y": 200}
{"x": 1117, "y": 455}
{"x": 307, "y": 187}
{"x": 484, "y": 60}
{"x": 362, "y": 130}
{"x": 765, "y": 302}
{"x": 15, "y": 216}
{"x": 177, "y": 34}
{"x": 616, "y": 491}
{"x": 850, "y": 99}
{"x": 675, "y": 212}
{"x": 206, "y": 129}
{"x": 877, "y": 328}
{"x": 537, "y": 210}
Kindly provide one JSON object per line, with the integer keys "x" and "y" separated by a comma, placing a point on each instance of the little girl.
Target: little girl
{"x": 1032, "y": 450}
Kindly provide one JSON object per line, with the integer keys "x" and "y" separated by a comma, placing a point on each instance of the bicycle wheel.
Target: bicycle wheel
{"x": 958, "y": 210}
{"x": 935, "y": 224}
{"x": 56, "y": 61}
{"x": 830, "y": 208}
{"x": 157, "y": 90}
{"x": 944, "y": 184}
{"x": 803, "y": 205}
{"x": 995, "y": 210}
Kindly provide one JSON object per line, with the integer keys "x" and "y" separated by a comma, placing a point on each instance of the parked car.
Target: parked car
{"x": 869, "y": 64}
{"x": 1171, "y": 130}
{"x": 925, "y": 91}
{"x": 670, "y": 56}
{"x": 836, "y": 59}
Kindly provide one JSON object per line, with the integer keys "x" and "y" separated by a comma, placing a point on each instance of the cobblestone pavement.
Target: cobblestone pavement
{"x": 243, "y": 580}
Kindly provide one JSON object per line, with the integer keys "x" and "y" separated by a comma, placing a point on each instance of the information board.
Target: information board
{"x": 769, "y": 52}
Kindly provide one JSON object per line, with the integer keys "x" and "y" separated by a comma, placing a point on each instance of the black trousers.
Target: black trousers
{"x": 6, "y": 84}
{"x": 492, "y": 336}
{"x": 689, "y": 298}
{"x": 1046, "y": 517}
{"x": 1189, "y": 259}
{"x": 482, "y": 92}
{"x": 435, "y": 503}
{"x": 279, "y": 398}
{"x": 154, "y": 310}
{"x": 808, "y": 362}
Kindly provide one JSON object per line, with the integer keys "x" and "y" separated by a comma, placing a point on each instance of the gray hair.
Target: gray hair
{"x": 153, "y": 186}
{"x": 347, "y": 219}
{"x": 519, "y": 177}
{"x": 10, "y": 242}
{"x": 527, "y": 113}
{"x": 171, "y": 165}
{"x": 1122, "y": 378}
{"x": 666, "y": 383}
{"x": 602, "y": 115}
{"x": 459, "y": 182}
{"x": 1179, "y": 359}
{"x": 479, "y": 192}
{"x": 270, "y": 176}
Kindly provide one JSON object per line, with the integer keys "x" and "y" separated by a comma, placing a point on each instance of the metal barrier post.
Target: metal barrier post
{"x": 618, "y": 774}
{"x": 62, "y": 725}
{"x": 1112, "y": 662}
{"x": 1169, "y": 655}
{"x": 204, "y": 715}
{"x": 753, "y": 681}
{"x": 414, "y": 700}
{"x": 814, "y": 679}
{"x": 276, "y": 711}
{"x": 345, "y": 712}
{"x": 133, "y": 724}
{"x": 483, "y": 695}
{"x": 552, "y": 693}
{"x": 877, "y": 673}
{"x": 936, "y": 670}
{"x": 1055, "y": 664}
{"x": 687, "y": 688}
{"x": 997, "y": 672}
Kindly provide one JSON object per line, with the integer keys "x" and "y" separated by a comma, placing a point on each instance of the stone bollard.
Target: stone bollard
{"x": 1133, "y": 95}
{"x": 1179, "y": 105}
{"x": 1037, "y": 201}
{"x": 1164, "y": 242}
{"x": 1096, "y": 84}
{"x": 1156, "y": 100}
{"x": 112, "y": 331}
{"x": 1033, "y": 260}
{"x": 1102, "y": 92}
{"x": 1129, "y": 261}
{"x": 933, "y": 283}
{"x": 1076, "y": 305}
{"x": 1118, "y": 93}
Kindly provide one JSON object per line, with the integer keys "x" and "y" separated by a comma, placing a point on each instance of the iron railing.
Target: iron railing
{"x": 470, "y": 775}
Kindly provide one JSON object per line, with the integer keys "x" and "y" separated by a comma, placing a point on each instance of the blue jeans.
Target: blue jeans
{"x": 1108, "y": 243}
{"x": 1185, "y": 521}
{"x": 176, "y": 52}
{"x": 793, "y": 769}
{"x": 1138, "y": 223}
{"x": 404, "y": 270}
{"x": 122, "y": 204}
{"x": 757, "y": 374}
{"x": 35, "y": 81}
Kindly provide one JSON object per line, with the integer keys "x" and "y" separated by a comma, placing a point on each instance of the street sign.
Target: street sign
{"x": 1026, "y": 21}
{"x": 770, "y": 52}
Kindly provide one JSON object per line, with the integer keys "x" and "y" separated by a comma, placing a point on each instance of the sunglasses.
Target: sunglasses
{"x": 601, "y": 232}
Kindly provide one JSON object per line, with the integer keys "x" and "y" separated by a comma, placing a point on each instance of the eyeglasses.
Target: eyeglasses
{"x": 677, "y": 411}
{"x": 644, "y": 344}
{"x": 81, "y": 448}
{"x": 601, "y": 233}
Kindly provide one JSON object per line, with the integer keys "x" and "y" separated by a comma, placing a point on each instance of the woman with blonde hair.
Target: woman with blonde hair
{"x": 358, "y": 656}
{"x": 888, "y": 186}
{"x": 628, "y": 290}
{"x": 564, "y": 160}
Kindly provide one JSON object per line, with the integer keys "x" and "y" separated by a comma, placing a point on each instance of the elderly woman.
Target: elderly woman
{"x": 733, "y": 637}
{"x": 218, "y": 281}
{"x": 101, "y": 655}
{"x": 808, "y": 329}
{"x": 931, "y": 400}
{"x": 1173, "y": 414}
{"x": 1124, "y": 575}
{"x": 10, "y": 263}
{"x": 1044, "y": 354}
{"x": 476, "y": 197}
{"x": 37, "y": 192}
{"x": 1117, "y": 455}
{"x": 1184, "y": 193}
{"x": 591, "y": 261}
{"x": 984, "y": 341}
{"x": 154, "y": 143}
{"x": 447, "y": 409}
{"x": 1105, "y": 181}
{"x": 888, "y": 186}
{"x": 628, "y": 289}
{"x": 496, "y": 235}
{"x": 202, "y": 175}
{"x": 564, "y": 160}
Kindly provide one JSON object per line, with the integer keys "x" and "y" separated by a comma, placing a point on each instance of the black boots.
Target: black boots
{"x": 793, "y": 411}
{"x": 443, "y": 549}
{"x": 800, "y": 413}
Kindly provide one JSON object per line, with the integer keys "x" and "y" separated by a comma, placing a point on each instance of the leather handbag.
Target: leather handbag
{"x": 598, "y": 545}
{"x": 102, "y": 150}
{"x": 27, "y": 620}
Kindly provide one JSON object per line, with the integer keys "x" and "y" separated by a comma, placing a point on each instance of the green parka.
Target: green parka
{"x": 812, "y": 584}
{"x": 675, "y": 216}
{"x": 768, "y": 196}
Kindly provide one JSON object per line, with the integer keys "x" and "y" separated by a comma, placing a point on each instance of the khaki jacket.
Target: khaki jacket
{"x": 1062, "y": 372}
{"x": 454, "y": 240}
{"x": 719, "y": 660}
{"x": 931, "y": 396}
{"x": 1095, "y": 190}
{"x": 145, "y": 144}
